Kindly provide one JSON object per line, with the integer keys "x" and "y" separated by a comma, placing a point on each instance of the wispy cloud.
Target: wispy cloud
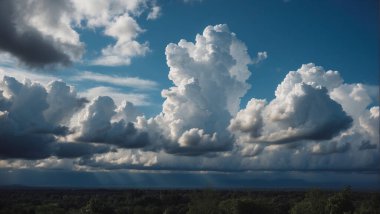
{"x": 137, "y": 99}
{"x": 132, "y": 82}
{"x": 21, "y": 75}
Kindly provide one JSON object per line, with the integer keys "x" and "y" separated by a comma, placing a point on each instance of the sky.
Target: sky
{"x": 189, "y": 93}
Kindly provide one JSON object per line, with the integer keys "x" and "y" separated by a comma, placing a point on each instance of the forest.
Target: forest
{"x": 155, "y": 201}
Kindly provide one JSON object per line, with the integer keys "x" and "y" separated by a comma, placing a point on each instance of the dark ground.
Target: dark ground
{"x": 50, "y": 200}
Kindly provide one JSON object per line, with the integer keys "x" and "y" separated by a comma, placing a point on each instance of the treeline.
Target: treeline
{"x": 57, "y": 201}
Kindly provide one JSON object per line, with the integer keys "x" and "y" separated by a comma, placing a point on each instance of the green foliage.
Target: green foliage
{"x": 341, "y": 202}
{"x": 314, "y": 203}
{"x": 204, "y": 203}
{"x": 40, "y": 201}
{"x": 49, "y": 208}
{"x": 96, "y": 206}
{"x": 240, "y": 206}
{"x": 371, "y": 206}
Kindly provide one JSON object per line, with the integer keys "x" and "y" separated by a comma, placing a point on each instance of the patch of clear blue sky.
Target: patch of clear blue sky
{"x": 340, "y": 35}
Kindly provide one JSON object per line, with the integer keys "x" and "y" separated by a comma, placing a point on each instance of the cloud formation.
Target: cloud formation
{"x": 315, "y": 116}
{"x": 22, "y": 40}
{"x": 118, "y": 96}
{"x": 299, "y": 112}
{"x": 33, "y": 118}
{"x": 96, "y": 125}
{"x": 133, "y": 82}
{"x": 50, "y": 28}
{"x": 197, "y": 109}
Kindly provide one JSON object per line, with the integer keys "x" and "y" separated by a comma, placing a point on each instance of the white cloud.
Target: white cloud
{"x": 310, "y": 116}
{"x": 261, "y": 56}
{"x": 127, "y": 111}
{"x": 132, "y": 82}
{"x": 63, "y": 103}
{"x": 302, "y": 110}
{"x": 118, "y": 96}
{"x": 302, "y": 105}
{"x": 199, "y": 106}
{"x": 154, "y": 13}
{"x": 21, "y": 75}
{"x": 355, "y": 98}
{"x": 125, "y": 30}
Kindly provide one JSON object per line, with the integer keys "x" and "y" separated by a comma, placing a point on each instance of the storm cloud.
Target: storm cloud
{"x": 31, "y": 123}
{"x": 44, "y": 34}
{"x": 25, "y": 42}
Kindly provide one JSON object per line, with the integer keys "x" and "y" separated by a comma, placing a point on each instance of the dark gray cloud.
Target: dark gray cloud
{"x": 324, "y": 148}
{"x": 366, "y": 144}
{"x": 32, "y": 118}
{"x": 73, "y": 150}
{"x": 25, "y": 146}
{"x": 25, "y": 42}
{"x": 96, "y": 125}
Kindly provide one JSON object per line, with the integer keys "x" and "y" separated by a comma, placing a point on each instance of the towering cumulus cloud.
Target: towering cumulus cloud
{"x": 209, "y": 79}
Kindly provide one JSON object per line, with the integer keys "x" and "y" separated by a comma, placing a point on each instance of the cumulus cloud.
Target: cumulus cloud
{"x": 209, "y": 79}
{"x": 96, "y": 125}
{"x": 125, "y": 30}
{"x": 314, "y": 112}
{"x": 43, "y": 33}
{"x": 355, "y": 98}
{"x": 314, "y": 116}
{"x": 33, "y": 118}
{"x": 302, "y": 110}
{"x": 63, "y": 103}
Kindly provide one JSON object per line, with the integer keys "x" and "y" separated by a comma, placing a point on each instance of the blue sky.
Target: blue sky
{"x": 338, "y": 35}
{"x": 225, "y": 102}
